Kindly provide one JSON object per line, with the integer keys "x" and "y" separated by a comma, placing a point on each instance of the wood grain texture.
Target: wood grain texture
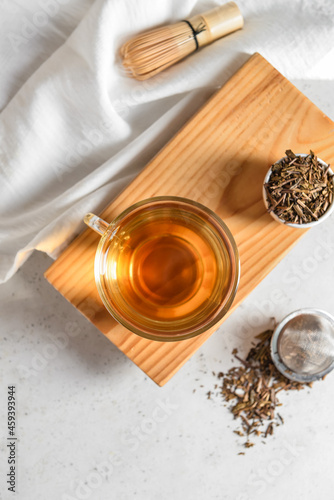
{"x": 219, "y": 158}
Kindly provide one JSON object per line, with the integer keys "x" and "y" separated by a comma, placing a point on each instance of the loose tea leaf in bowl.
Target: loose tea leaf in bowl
{"x": 252, "y": 388}
{"x": 299, "y": 188}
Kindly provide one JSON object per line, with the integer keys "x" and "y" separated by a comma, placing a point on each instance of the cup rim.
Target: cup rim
{"x": 166, "y": 336}
{"x": 307, "y": 225}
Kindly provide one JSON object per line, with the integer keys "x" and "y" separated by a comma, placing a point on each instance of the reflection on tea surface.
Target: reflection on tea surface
{"x": 166, "y": 268}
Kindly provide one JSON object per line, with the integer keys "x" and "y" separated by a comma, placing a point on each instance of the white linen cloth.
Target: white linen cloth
{"x": 75, "y": 130}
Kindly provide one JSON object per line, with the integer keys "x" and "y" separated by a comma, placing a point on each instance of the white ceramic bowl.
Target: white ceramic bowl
{"x": 291, "y": 224}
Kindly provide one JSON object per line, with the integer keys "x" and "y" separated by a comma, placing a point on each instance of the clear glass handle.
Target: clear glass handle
{"x": 94, "y": 222}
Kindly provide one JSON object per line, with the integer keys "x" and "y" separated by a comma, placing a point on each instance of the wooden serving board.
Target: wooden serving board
{"x": 219, "y": 158}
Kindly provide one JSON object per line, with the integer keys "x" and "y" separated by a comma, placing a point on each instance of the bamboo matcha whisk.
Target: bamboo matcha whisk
{"x": 153, "y": 51}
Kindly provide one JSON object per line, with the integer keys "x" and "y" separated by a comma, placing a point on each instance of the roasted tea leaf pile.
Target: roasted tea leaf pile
{"x": 299, "y": 189}
{"x": 253, "y": 388}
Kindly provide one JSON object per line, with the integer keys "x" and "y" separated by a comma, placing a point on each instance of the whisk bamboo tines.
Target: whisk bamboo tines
{"x": 147, "y": 54}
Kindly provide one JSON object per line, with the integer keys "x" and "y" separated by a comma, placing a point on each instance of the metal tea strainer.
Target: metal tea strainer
{"x": 302, "y": 345}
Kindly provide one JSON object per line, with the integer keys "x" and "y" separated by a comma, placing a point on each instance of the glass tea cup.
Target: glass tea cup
{"x": 167, "y": 268}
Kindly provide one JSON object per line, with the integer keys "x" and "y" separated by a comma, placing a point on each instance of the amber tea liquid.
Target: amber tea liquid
{"x": 166, "y": 267}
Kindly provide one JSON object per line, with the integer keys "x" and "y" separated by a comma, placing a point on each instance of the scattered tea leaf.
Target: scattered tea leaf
{"x": 252, "y": 390}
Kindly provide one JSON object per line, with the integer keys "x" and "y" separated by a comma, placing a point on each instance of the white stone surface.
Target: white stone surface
{"x": 92, "y": 426}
